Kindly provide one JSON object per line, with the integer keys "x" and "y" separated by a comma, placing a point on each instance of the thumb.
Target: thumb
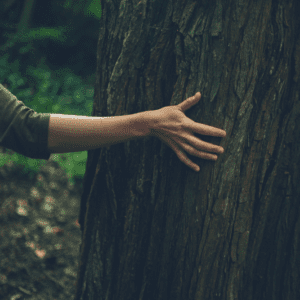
{"x": 189, "y": 102}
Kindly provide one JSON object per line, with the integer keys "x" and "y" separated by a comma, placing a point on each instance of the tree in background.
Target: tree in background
{"x": 152, "y": 227}
{"x": 48, "y": 60}
{"x": 40, "y": 22}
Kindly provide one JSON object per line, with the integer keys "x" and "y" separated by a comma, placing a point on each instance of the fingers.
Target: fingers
{"x": 192, "y": 151}
{"x": 186, "y": 161}
{"x": 202, "y": 154}
{"x": 198, "y": 127}
{"x": 189, "y": 149}
{"x": 208, "y": 130}
{"x": 184, "y": 158}
{"x": 197, "y": 143}
{"x": 189, "y": 102}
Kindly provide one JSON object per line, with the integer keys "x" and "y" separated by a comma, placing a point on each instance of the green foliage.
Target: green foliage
{"x": 41, "y": 33}
{"x": 94, "y": 9}
{"x": 59, "y": 34}
{"x": 59, "y": 92}
{"x": 28, "y": 167}
{"x": 90, "y": 8}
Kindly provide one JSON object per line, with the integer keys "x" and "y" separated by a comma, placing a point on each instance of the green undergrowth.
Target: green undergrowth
{"x": 57, "y": 92}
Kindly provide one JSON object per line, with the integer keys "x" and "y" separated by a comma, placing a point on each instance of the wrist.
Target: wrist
{"x": 143, "y": 123}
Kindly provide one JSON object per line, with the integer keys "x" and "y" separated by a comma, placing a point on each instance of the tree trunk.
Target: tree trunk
{"x": 153, "y": 228}
{"x": 25, "y": 19}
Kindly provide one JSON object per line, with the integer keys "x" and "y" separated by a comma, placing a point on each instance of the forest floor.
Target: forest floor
{"x": 40, "y": 236}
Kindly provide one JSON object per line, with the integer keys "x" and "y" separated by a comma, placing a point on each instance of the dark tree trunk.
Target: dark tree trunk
{"x": 153, "y": 229}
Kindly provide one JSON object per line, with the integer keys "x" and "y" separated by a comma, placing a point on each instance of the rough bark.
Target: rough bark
{"x": 152, "y": 227}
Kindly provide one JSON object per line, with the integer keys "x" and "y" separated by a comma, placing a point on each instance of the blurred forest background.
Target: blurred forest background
{"x": 48, "y": 54}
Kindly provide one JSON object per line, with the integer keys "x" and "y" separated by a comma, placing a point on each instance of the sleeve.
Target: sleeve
{"x": 21, "y": 128}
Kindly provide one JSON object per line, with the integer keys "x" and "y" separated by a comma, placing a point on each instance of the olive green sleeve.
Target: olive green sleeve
{"x": 21, "y": 128}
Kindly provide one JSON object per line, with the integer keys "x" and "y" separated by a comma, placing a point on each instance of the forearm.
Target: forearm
{"x": 71, "y": 133}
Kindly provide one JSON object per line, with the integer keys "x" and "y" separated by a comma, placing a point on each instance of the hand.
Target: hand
{"x": 175, "y": 129}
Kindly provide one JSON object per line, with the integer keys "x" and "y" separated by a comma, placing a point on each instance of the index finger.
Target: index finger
{"x": 209, "y": 130}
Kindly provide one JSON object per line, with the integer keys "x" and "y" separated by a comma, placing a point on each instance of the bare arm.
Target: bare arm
{"x": 71, "y": 133}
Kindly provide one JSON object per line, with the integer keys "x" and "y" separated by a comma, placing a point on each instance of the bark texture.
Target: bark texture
{"x": 152, "y": 227}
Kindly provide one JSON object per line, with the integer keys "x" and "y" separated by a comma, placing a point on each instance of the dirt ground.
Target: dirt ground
{"x": 40, "y": 235}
